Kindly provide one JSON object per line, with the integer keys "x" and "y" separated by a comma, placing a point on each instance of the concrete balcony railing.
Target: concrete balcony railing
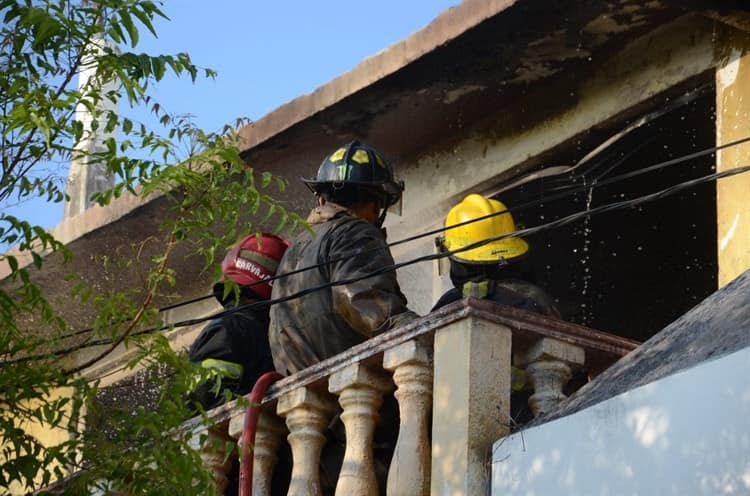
{"x": 451, "y": 370}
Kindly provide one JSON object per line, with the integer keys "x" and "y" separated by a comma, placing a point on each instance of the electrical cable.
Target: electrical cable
{"x": 597, "y": 183}
{"x": 435, "y": 256}
{"x": 676, "y": 103}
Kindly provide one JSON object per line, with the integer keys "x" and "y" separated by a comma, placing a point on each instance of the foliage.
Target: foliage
{"x": 43, "y": 44}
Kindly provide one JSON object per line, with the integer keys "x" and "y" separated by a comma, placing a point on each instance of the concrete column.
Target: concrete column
{"x": 268, "y": 437}
{"x": 307, "y": 414}
{"x": 733, "y": 123}
{"x": 88, "y": 175}
{"x": 471, "y": 404}
{"x": 213, "y": 454}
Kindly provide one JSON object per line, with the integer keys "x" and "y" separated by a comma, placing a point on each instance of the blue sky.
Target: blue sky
{"x": 265, "y": 53}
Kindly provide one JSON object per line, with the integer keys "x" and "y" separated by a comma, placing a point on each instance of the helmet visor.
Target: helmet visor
{"x": 393, "y": 196}
{"x": 396, "y": 207}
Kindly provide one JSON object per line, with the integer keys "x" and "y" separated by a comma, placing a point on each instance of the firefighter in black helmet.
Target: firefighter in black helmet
{"x": 354, "y": 187}
{"x": 354, "y": 174}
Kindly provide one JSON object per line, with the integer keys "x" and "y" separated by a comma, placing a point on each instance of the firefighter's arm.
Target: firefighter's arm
{"x": 371, "y": 305}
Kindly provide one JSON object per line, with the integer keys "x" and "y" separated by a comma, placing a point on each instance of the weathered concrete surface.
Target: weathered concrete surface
{"x": 579, "y": 105}
{"x": 114, "y": 367}
{"x": 137, "y": 390}
{"x": 716, "y": 327}
{"x": 733, "y": 123}
{"x": 471, "y": 364}
{"x": 734, "y": 13}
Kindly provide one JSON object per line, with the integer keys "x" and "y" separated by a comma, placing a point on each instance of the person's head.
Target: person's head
{"x": 357, "y": 176}
{"x": 251, "y": 261}
{"x": 360, "y": 201}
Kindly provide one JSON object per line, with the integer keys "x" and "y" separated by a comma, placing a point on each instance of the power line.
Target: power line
{"x": 674, "y": 104}
{"x": 518, "y": 233}
{"x": 597, "y": 183}
{"x": 517, "y": 208}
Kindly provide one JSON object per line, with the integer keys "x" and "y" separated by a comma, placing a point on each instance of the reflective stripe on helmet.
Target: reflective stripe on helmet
{"x": 269, "y": 264}
{"x": 251, "y": 261}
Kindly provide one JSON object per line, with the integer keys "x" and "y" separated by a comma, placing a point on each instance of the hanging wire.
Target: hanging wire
{"x": 674, "y": 104}
{"x": 436, "y": 256}
{"x": 598, "y": 182}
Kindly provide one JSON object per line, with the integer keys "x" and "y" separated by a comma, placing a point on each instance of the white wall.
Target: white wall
{"x": 687, "y": 434}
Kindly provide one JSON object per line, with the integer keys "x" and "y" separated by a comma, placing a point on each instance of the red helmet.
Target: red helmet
{"x": 251, "y": 262}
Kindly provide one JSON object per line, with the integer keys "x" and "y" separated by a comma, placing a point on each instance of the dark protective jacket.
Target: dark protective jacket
{"x": 515, "y": 293}
{"x": 507, "y": 291}
{"x": 501, "y": 283}
{"x": 329, "y": 321}
{"x": 236, "y": 344}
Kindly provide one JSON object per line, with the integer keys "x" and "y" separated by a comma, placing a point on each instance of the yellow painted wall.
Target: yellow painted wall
{"x": 733, "y": 123}
{"x": 47, "y": 436}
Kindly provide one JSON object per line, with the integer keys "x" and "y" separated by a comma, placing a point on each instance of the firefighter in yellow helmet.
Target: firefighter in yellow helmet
{"x": 490, "y": 270}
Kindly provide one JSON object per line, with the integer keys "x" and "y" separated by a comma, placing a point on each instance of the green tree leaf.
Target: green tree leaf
{"x": 211, "y": 196}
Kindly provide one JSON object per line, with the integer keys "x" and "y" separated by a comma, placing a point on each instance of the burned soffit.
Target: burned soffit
{"x": 458, "y": 88}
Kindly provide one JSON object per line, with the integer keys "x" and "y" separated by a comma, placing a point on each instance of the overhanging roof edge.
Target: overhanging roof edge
{"x": 447, "y": 26}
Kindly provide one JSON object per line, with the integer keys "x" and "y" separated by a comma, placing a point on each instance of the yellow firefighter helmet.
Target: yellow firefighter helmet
{"x": 473, "y": 207}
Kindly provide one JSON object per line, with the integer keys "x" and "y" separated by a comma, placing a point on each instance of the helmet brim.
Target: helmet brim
{"x": 391, "y": 190}
{"x": 505, "y": 249}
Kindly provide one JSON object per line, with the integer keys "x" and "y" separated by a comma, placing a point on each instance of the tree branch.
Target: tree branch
{"x": 131, "y": 327}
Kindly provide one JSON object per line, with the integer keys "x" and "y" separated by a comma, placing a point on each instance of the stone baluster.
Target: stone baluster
{"x": 411, "y": 363}
{"x": 213, "y": 453}
{"x": 307, "y": 414}
{"x": 268, "y": 437}
{"x": 548, "y": 364}
{"x": 360, "y": 393}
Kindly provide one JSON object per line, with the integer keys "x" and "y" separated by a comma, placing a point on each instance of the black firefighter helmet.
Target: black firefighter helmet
{"x": 360, "y": 165}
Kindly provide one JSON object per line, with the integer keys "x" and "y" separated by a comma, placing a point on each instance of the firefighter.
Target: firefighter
{"x": 492, "y": 272}
{"x": 489, "y": 271}
{"x": 354, "y": 187}
{"x": 236, "y": 345}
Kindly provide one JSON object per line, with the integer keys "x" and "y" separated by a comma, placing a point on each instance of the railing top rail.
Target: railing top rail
{"x": 525, "y": 326}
